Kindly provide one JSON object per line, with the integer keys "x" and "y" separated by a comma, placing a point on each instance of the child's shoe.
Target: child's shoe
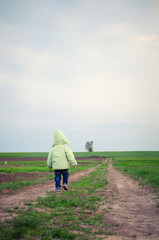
{"x": 65, "y": 187}
{"x": 58, "y": 189}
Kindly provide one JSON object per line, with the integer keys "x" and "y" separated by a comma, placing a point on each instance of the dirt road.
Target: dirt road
{"x": 30, "y": 193}
{"x": 133, "y": 207}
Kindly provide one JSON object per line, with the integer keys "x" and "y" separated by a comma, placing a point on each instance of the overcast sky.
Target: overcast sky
{"x": 87, "y": 67}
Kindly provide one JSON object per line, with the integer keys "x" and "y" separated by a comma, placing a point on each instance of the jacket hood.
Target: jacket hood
{"x": 60, "y": 138}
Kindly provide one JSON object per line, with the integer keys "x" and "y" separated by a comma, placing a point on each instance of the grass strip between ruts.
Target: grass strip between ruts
{"x": 64, "y": 215}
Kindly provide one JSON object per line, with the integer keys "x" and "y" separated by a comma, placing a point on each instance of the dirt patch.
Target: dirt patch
{"x": 130, "y": 210}
{"x": 96, "y": 158}
{"x": 85, "y": 163}
{"x": 132, "y": 207}
{"x": 22, "y": 159}
{"x": 28, "y": 194}
{"x": 16, "y": 177}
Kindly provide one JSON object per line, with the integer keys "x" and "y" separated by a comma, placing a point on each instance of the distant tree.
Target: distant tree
{"x": 89, "y": 146}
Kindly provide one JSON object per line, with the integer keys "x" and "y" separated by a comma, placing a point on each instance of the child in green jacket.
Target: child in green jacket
{"x": 60, "y": 157}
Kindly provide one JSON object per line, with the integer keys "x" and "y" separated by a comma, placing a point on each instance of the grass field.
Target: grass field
{"x": 142, "y": 168}
{"x": 73, "y": 214}
{"x": 26, "y": 166}
{"x": 143, "y": 165}
{"x": 66, "y": 215}
{"x": 84, "y": 154}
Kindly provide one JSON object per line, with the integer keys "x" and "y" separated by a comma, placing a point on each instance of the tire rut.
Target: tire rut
{"x": 133, "y": 207}
{"x": 28, "y": 194}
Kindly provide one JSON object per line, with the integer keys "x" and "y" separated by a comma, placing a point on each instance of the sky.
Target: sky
{"x": 87, "y": 67}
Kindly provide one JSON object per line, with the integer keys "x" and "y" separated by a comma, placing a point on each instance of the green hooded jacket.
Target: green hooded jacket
{"x": 60, "y": 156}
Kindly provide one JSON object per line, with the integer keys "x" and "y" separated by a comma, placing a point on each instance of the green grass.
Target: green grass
{"x": 15, "y": 185}
{"x": 24, "y": 169}
{"x": 74, "y": 214}
{"x": 136, "y": 158}
{"x": 142, "y": 164}
{"x": 85, "y": 154}
{"x": 143, "y": 168}
{"x": 138, "y": 163}
{"x": 23, "y": 154}
{"x": 39, "y": 163}
{"x": 149, "y": 176}
{"x": 42, "y": 168}
{"x": 30, "y": 163}
{"x": 118, "y": 154}
{"x": 57, "y": 216}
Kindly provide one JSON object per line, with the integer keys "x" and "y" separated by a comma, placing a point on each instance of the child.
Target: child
{"x": 59, "y": 158}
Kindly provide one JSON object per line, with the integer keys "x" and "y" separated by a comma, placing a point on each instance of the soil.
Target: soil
{"x": 132, "y": 209}
{"x": 12, "y": 199}
{"x": 94, "y": 158}
{"x": 2, "y": 159}
{"x": 22, "y": 159}
{"x": 27, "y": 176}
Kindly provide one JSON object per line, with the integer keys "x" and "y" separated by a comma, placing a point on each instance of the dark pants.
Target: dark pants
{"x": 65, "y": 175}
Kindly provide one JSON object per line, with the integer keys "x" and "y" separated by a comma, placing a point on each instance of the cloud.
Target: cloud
{"x": 47, "y": 81}
{"x": 145, "y": 38}
{"x": 74, "y": 65}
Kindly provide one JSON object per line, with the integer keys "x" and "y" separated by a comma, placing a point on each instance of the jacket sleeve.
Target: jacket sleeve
{"x": 49, "y": 160}
{"x": 70, "y": 157}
